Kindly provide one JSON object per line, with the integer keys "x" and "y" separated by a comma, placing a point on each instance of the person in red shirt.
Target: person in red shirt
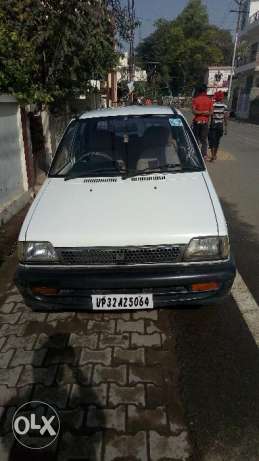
{"x": 202, "y": 107}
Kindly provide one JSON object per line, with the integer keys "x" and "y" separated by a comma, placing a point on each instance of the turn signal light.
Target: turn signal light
{"x": 211, "y": 286}
{"x": 46, "y": 291}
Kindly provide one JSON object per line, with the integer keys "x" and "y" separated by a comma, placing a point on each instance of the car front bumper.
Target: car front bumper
{"x": 170, "y": 285}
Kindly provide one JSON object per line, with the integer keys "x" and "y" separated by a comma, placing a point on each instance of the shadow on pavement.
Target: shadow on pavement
{"x": 72, "y": 409}
{"x": 219, "y": 364}
{"x": 245, "y": 245}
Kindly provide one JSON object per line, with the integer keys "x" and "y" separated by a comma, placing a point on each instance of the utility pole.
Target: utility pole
{"x": 132, "y": 21}
{"x": 239, "y": 11}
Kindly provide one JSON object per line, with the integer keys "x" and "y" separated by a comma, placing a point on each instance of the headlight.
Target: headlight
{"x": 36, "y": 252}
{"x": 207, "y": 248}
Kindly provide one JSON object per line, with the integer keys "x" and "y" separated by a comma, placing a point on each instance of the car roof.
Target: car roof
{"x": 129, "y": 110}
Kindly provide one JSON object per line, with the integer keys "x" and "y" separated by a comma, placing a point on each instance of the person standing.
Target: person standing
{"x": 202, "y": 107}
{"x": 218, "y": 125}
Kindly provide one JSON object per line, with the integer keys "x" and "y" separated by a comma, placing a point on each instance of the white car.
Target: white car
{"x": 128, "y": 218}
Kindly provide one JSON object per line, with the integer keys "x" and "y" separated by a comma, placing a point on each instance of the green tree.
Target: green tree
{"x": 185, "y": 47}
{"x": 52, "y": 48}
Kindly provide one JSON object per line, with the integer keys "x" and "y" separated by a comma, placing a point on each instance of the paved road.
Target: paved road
{"x": 113, "y": 378}
{"x": 174, "y": 385}
{"x": 236, "y": 177}
{"x": 216, "y": 352}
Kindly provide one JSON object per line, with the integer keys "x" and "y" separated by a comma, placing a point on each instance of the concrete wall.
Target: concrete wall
{"x": 13, "y": 175}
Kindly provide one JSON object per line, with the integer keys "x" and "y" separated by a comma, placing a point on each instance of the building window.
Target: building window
{"x": 253, "y": 52}
{"x": 245, "y": 15}
{"x": 249, "y": 84}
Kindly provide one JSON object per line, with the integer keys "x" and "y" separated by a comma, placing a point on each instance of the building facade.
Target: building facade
{"x": 14, "y": 158}
{"x": 245, "y": 99}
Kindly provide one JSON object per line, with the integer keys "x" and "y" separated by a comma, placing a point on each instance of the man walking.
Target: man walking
{"x": 218, "y": 125}
{"x": 202, "y": 107}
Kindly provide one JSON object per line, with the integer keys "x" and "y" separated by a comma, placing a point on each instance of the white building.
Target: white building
{"x": 245, "y": 101}
{"x": 140, "y": 75}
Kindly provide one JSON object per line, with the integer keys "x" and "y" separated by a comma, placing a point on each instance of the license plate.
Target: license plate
{"x": 122, "y": 302}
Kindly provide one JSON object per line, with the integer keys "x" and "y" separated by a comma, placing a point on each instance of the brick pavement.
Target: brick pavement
{"x": 112, "y": 377}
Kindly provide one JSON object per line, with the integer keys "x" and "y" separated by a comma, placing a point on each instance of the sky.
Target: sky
{"x": 150, "y": 10}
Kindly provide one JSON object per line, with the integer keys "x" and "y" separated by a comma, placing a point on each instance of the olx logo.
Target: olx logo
{"x": 36, "y": 425}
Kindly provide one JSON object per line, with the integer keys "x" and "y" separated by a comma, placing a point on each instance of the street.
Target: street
{"x": 180, "y": 384}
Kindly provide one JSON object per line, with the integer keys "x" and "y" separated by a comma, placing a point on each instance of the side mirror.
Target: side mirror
{"x": 45, "y": 162}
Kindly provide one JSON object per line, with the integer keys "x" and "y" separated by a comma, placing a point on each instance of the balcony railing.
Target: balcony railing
{"x": 244, "y": 60}
{"x": 254, "y": 18}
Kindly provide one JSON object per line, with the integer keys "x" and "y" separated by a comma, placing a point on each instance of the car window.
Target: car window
{"x": 132, "y": 143}
{"x": 64, "y": 154}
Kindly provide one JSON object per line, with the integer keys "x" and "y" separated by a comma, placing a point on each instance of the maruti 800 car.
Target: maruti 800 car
{"x": 127, "y": 218}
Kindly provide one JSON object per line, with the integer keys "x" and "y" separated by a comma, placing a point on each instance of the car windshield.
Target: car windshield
{"x": 126, "y": 146}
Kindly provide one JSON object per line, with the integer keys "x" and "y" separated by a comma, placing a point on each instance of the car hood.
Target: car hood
{"x": 146, "y": 210}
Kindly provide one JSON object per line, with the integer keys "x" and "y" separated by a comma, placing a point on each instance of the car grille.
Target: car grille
{"x": 120, "y": 256}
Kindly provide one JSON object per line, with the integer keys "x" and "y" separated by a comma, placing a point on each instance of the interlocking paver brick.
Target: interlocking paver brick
{"x": 93, "y": 395}
{"x": 21, "y": 307}
{"x": 74, "y": 375}
{"x": 136, "y": 356}
{"x": 2, "y": 341}
{"x": 34, "y": 375}
{"x": 133, "y": 326}
{"x": 54, "y": 395}
{"x": 154, "y": 357}
{"x": 156, "y": 396}
{"x": 153, "y": 340}
{"x": 107, "y": 418}
{"x": 132, "y": 447}
{"x": 67, "y": 355}
{"x": 134, "y": 395}
{"x": 150, "y": 315}
{"x": 72, "y": 419}
{"x": 146, "y": 419}
{"x": 89, "y": 356}
{"x": 89, "y": 341}
{"x": 110, "y": 374}
{"x": 7, "y": 308}
{"x": 25, "y": 342}
{"x": 6, "y": 421}
{"x": 14, "y": 298}
{"x": 23, "y": 357}
{"x": 8, "y": 330}
{"x": 152, "y": 327}
{"x": 10, "y": 376}
{"x": 176, "y": 428}
{"x": 14, "y": 396}
{"x": 6, "y": 443}
{"x": 60, "y": 316}
{"x": 5, "y": 358}
{"x": 145, "y": 375}
{"x": 106, "y": 326}
{"x": 117, "y": 315}
{"x": 51, "y": 341}
{"x": 81, "y": 448}
{"x": 10, "y": 318}
{"x": 27, "y": 317}
{"x": 83, "y": 317}
{"x": 2, "y": 411}
{"x": 107, "y": 340}
{"x": 169, "y": 447}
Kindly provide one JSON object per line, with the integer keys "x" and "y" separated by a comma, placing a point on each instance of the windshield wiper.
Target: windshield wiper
{"x": 98, "y": 172}
{"x": 161, "y": 169}
{"x": 166, "y": 168}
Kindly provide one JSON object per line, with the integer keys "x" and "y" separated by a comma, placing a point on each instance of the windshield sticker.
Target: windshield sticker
{"x": 175, "y": 122}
